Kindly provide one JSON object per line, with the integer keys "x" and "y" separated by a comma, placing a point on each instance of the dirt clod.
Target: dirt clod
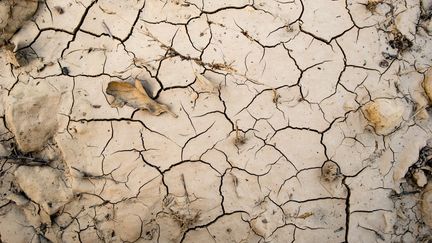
{"x": 330, "y": 171}
{"x": 427, "y": 84}
{"x": 136, "y": 97}
{"x": 59, "y": 9}
{"x": 29, "y": 115}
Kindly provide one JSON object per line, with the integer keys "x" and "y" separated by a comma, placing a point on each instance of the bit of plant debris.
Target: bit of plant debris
{"x": 20, "y": 158}
{"x": 136, "y": 97}
{"x": 419, "y": 172}
{"x": 384, "y": 64}
{"x": 371, "y": 5}
{"x": 425, "y": 14}
{"x": 10, "y": 55}
{"x": 239, "y": 139}
{"x": 400, "y": 42}
{"x": 276, "y": 96}
{"x": 304, "y": 215}
{"x": 383, "y": 115}
{"x": 14, "y": 15}
{"x": 65, "y": 70}
{"x": 106, "y": 10}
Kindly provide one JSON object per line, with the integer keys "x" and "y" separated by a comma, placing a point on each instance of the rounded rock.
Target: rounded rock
{"x": 426, "y": 205}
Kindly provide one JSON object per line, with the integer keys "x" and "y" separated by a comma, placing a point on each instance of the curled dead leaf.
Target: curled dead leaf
{"x": 136, "y": 97}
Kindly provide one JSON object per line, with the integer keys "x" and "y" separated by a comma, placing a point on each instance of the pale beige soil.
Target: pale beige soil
{"x": 250, "y": 121}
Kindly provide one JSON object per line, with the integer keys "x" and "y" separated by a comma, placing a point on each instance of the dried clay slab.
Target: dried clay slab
{"x": 135, "y": 96}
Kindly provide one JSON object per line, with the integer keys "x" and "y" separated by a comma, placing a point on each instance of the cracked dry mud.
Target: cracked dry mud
{"x": 295, "y": 121}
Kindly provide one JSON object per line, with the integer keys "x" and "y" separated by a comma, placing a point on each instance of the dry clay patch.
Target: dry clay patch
{"x": 290, "y": 121}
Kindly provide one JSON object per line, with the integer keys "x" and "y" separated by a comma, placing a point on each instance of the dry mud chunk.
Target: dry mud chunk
{"x": 421, "y": 103}
{"x": 136, "y": 97}
{"x": 13, "y": 14}
{"x": 31, "y": 116}
{"x": 420, "y": 178}
{"x": 13, "y": 226}
{"x": 384, "y": 115}
{"x": 426, "y": 205}
{"x": 45, "y": 186}
{"x": 412, "y": 141}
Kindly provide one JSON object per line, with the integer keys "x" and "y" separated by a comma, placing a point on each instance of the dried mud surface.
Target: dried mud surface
{"x": 216, "y": 121}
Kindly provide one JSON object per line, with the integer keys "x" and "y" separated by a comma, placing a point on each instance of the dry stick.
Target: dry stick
{"x": 184, "y": 186}
{"x": 218, "y": 66}
{"x": 236, "y": 184}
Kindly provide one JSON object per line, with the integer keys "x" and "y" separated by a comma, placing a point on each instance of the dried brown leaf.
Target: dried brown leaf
{"x": 136, "y": 97}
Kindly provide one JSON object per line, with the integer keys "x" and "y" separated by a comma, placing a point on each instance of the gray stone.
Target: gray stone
{"x": 31, "y": 116}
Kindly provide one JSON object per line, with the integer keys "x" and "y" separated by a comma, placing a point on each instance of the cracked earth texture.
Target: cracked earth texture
{"x": 297, "y": 121}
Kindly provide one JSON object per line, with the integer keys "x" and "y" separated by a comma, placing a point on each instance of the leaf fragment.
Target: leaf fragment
{"x": 136, "y": 97}
{"x": 10, "y": 55}
{"x": 206, "y": 84}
